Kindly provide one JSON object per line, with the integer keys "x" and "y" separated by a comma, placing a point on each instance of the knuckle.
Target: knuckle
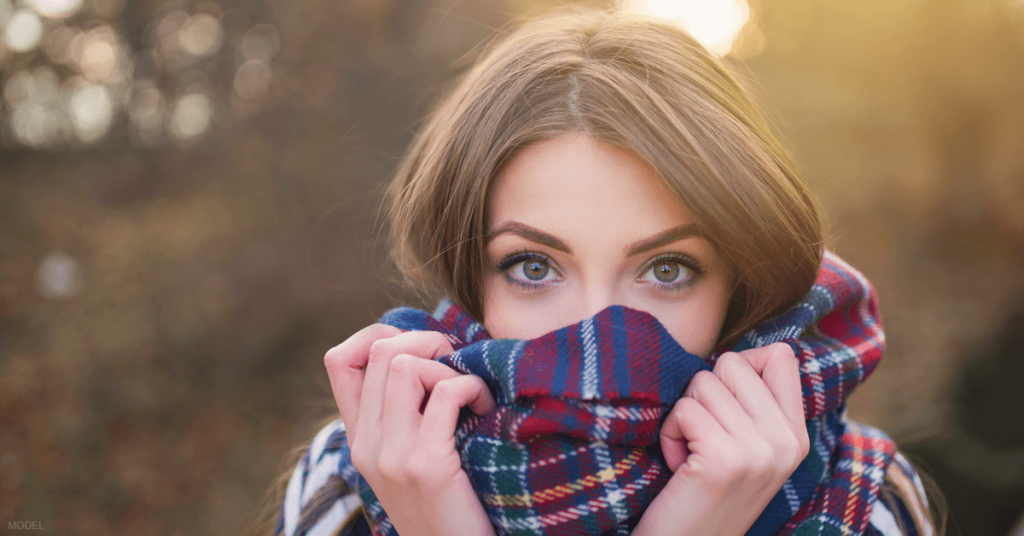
{"x": 685, "y": 410}
{"x": 730, "y": 359}
{"x": 702, "y": 380}
{"x": 362, "y": 460}
{"x": 380, "y": 350}
{"x": 792, "y": 461}
{"x": 804, "y": 443}
{"x": 338, "y": 356}
{"x": 761, "y": 459}
{"x": 420, "y": 472}
{"x": 781, "y": 350}
{"x": 790, "y": 450}
{"x": 401, "y": 365}
{"x": 680, "y": 417}
{"x": 346, "y": 351}
{"x": 335, "y": 351}
{"x": 787, "y": 447}
{"x": 439, "y": 339}
{"x": 444, "y": 389}
{"x": 730, "y": 363}
{"x": 725, "y": 470}
{"x": 375, "y": 332}
{"x": 685, "y": 405}
{"x": 391, "y": 468}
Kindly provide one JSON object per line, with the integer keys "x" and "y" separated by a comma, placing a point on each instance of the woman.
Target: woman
{"x": 589, "y": 161}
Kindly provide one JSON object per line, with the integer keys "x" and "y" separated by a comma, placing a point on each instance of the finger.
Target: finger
{"x": 405, "y": 392}
{"x": 402, "y": 399}
{"x": 446, "y": 399}
{"x": 780, "y": 370}
{"x": 345, "y": 363}
{"x": 709, "y": 390}
{"x": 689, "y": 423}
{"x": 422, "y": 344}
{"x": 752, "y": 393}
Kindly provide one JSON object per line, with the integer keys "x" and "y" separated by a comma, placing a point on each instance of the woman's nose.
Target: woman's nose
{"x": 596, "y": 300}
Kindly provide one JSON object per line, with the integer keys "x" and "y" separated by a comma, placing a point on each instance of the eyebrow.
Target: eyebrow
{"x": 663, "y": 238}
{"x": 533, "y": 234}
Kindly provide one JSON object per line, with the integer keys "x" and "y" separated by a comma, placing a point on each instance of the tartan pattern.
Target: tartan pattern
{"x": 566, "y": 451}
{"x": 572, "y": 446}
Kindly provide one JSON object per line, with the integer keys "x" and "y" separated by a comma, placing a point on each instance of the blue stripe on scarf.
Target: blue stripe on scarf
{"x": 833, "y": 487}
{"x": 622, "y": 382}
{"x": 560, "y": 372}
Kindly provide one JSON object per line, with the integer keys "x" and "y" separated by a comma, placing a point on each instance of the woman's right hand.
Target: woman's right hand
{"x": 381, "y": 378}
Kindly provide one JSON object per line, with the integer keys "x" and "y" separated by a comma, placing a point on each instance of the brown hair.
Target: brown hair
{"x": 636, "y": 83}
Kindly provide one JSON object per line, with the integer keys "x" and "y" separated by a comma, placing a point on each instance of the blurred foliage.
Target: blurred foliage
{"x": 172, "y": 270}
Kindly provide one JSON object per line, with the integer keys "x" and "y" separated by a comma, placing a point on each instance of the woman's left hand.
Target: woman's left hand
{"x": 732, "y": 441}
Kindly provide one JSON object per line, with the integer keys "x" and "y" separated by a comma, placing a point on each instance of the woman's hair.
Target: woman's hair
{"x": 634, "y": 82}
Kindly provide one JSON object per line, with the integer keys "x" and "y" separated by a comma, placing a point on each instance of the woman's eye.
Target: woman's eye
{"x": 667, "y": 272}
{"x": 533, "y": 270}
{"x": 528, "y": 270}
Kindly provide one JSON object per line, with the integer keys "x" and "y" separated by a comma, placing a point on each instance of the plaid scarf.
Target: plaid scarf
{"x": 572, "y": 447}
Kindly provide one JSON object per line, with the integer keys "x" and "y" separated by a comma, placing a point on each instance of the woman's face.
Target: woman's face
{"x": 577, "y": 225}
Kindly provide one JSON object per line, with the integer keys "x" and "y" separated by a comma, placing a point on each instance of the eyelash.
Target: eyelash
{"x": 517, "y": 257}
{"x": 523, "y": 255}
{"x": 685, "y": 261}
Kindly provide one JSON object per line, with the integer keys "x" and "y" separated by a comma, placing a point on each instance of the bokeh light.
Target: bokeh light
{"x": 99, "y": 58}
{"x": 260, "y": 43}
{"x": 24, "y": 30}
{"x": 91, "y": 109}
{"x": 146, "y": 112}
{"x": 103, "y": 78}
{"x": 715, "y": 23}
{"x": 36, "y": 115}
{"x": 252, "y": 79}
{"x": 56, "y": 9}
{"x": 191, "y": 116}
{"x": 59, "y": 276}
{"x": 200, "y": 35}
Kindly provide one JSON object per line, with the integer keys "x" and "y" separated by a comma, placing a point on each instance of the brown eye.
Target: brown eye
{"x": 669, "y": 274}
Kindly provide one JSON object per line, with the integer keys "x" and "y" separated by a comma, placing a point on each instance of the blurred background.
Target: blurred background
{"x": 189, "y": 197}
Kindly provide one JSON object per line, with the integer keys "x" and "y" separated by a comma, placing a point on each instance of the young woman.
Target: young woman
{"x": 589, "y": 166}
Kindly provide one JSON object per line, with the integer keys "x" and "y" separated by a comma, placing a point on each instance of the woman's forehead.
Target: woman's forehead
{"x": 575, "y": 183}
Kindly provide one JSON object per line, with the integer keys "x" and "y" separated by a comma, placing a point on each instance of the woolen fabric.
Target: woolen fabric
{"x": 572, "y": 446}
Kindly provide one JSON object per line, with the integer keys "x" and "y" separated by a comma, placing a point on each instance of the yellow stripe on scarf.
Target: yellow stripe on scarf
{"x": 563, "y": 490}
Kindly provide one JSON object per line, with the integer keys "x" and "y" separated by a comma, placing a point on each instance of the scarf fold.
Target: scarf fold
{"x": 572, "y": 446}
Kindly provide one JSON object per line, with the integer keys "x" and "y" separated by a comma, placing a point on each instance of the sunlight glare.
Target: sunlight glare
{"x": 715, "y": 23}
